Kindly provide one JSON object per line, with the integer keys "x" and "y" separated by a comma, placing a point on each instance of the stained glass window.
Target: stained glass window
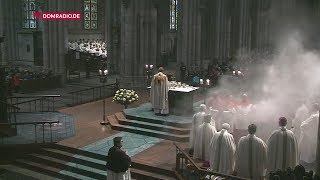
{"x": 28, "y": 19}
{"x": 90, "y": 11}
{"x": 173, "y": 14}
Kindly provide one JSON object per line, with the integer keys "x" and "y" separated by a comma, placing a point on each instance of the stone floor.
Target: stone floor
{"x": 30, "y": 133}
{"x": 91, "y": 136}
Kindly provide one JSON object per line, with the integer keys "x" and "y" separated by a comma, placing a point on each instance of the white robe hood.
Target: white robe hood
{"x": 251, "y": 157}
{"x": 282, "y": 150}
{"x": 222, "y": 149}
{"x": 202, "y": 143}
{"x": 196, "y": 122}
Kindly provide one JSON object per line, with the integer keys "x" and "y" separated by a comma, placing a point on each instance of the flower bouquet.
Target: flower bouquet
{"x": 125, "y": 97}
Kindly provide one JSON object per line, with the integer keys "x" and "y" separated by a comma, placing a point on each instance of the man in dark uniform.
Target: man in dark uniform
{"x": 118, "y": 162}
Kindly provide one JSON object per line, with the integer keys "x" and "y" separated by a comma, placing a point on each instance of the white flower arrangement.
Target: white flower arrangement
{"x": 125, "y": 96}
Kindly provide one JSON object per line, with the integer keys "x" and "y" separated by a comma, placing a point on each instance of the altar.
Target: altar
{"x": 181, "y": 100}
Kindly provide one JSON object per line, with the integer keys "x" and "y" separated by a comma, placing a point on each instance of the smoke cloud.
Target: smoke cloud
{"x": 278, "y": 84}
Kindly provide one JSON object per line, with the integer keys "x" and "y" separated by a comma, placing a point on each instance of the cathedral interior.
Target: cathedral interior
{"x": 152, "y": 72}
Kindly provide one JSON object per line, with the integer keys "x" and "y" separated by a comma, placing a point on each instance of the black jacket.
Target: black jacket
{"x": 117, "y": 160}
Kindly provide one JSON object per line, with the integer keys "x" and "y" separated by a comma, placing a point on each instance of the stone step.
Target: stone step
{"x": 159, "y": 121}
{"x": 76, "y": 159}
{"x": 78, "y": 152}
{"x": 152, "y": 126}
{"x": 14, "y": 172}
{"x": 146, "y": 166}
{"x": 67, "y": 166}
{"x": 38, "y": 167}
{"x": 159, "y": 134}
{"x": 146, "y": 175}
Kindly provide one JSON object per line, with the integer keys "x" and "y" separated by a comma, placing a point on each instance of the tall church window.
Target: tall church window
{"x": 28, "y": 9}
{"x": 90, "y": 11}
{"x": 173, "y": 14}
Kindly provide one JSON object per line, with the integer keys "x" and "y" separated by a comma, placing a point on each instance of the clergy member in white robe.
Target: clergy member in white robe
{"x": 222, "y": 151}
{"x": 282, "y": 148}
{"x": 301, "y": 115}
{"x": 159, "y": 93}
{"x": 309, "y": 136}
{"x": 203, "y": 139}
{"x": 196, "y": 122}
{"x": 251, "y": 156}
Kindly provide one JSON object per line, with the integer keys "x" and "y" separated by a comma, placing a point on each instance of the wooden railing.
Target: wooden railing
{"x": 37, "y": 103}
{"x": 92, "y": 94}
{"x": 187, "y": 169}
{"x": 35, "y": 124}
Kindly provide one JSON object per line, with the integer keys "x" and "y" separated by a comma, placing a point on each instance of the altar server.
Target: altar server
{"x": 203, "y": 139}
{"x": 282, "y": 148}
{"x": 159, "y": 93}
{"x": 196, "y": 122}
{"x": 309, "y": 134}
{"x": 251, "y": 156}
{"x": 222, "y": 150}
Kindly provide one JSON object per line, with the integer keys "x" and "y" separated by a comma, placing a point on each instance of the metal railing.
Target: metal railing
{"x": 37, "y": 103}
{"x": 92, "y": 94}
{"x": 11, "y": 111}
{"x": 35, "y": 124}
{"x": 186, "y": 168}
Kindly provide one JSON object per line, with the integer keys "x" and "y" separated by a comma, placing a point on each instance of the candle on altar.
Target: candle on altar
{"x": 208, "y": 82}
{"x": 201, "y": 81}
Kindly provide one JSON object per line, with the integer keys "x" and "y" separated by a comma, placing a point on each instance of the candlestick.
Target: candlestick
{"x": 201, "y": 81}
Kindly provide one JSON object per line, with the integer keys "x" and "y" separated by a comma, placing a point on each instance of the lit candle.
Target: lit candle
{"x": 146, "y": 66}
{"x": 233, "y": 72}
{"x": 208, "y": 82}
{"x": 201, "y": 81}
{"x": 151, "y": 66}
{"x": 105, "y": 72}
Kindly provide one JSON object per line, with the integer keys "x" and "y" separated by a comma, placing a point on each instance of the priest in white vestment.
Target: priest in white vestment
{"x": 196, "y": 122}
{"x": 159, "y": 93}
{"x": 222, "y": 151}
{"x": 251, "y": 156}
{"x": 309, "y": 136}
{"x": 203, "y": 139}
{"x": 301, "y": 115}
{"x": 282, "y": 148}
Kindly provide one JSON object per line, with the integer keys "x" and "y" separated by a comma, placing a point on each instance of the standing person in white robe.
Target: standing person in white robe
{"x": 309, "y": 134}
{"x": 118, "y": 162}
{"x": 251, "y": 156}
{"x": 196, "y": 122}
{"x": 203, "y": 139}
{"x": 222, "y": 149}
{"x": 282, "y": 148}
{"x": 301, "y": 115}
{"x": 159, "y": 93}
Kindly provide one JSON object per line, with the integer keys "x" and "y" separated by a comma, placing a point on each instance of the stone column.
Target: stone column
{"x": 1, "y": 32}
{"x": 54, "y": 41}
{"x": 12, "y": 24}
{"x": 318, "y": 150}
